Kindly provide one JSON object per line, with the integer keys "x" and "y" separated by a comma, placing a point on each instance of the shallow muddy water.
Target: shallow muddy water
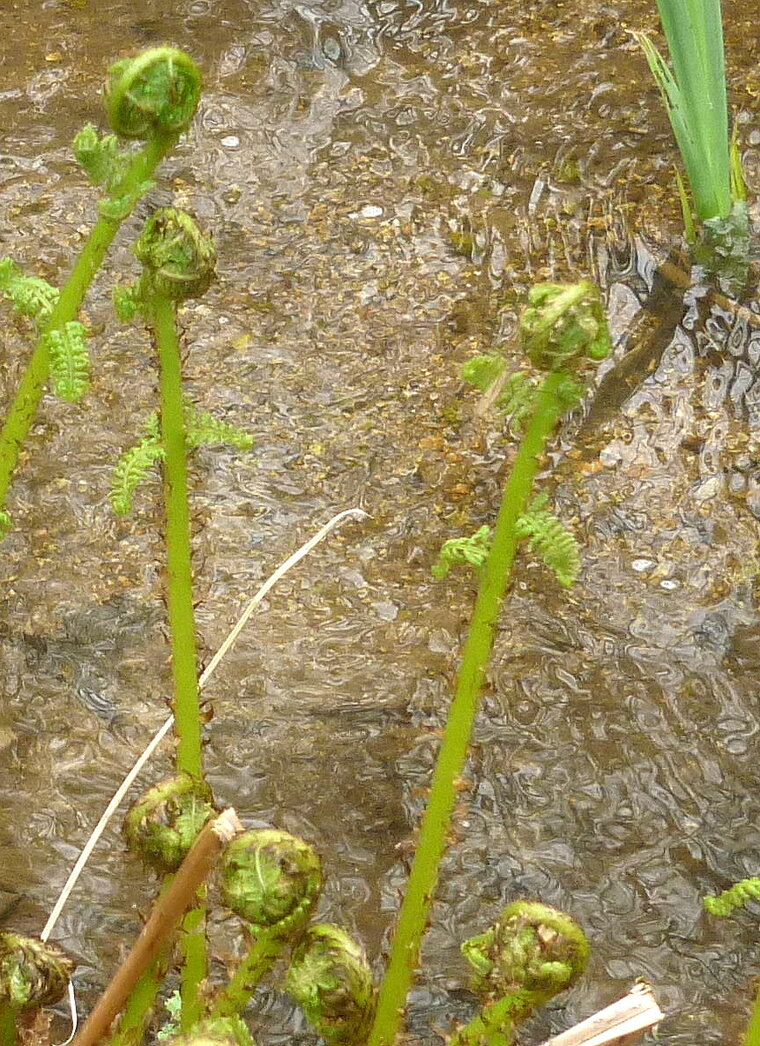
{"x": 384, "y": 181}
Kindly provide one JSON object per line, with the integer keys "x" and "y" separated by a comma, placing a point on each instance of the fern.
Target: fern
{"x": 102, "y": 158}
{"x": 133, "y": 467}
{"x": 69, "y": 361}
{"x": 472, "y": 550}
{"x": 127, "y": 300}
{"x": 483, "y": 371}
{"x": 31, "y": 295}
{"x": 736, "y": 897}
{"x": 517, "y": 400}
{"x": 551, "y": 540}
{"x": 206, "y": 430}
{"x": 135, "y": 464}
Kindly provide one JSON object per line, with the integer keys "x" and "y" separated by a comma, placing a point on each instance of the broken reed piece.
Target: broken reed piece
{"x": 162, "y": 922}
{"x": 621, "y": 1024}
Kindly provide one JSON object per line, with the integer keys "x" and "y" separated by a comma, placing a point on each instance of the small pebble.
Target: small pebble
{"x": 640, "y": 565}
{"x": 231, "y": 141}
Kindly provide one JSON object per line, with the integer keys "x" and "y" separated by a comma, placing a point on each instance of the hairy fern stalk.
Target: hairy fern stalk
{"x": 694, "y": 91}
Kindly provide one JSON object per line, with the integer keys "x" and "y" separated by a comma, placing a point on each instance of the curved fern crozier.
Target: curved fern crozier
{"x": 564, "y": 322}
{"x": 179, "y": 260}
{"x": 737, "y": 896}
{"x": 69, "y": 360}
{"x": 154, "y": 94}
{"x": 271, "y": 879}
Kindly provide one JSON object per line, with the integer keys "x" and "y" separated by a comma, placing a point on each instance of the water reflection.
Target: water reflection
{"x": 384, "y": 181}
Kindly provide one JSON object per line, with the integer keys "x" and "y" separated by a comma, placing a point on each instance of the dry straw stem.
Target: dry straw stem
{"x": 621, "y": 1024}
{"x": 163, "y": 921}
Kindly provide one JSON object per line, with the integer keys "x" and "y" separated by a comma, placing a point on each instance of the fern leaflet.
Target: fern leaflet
{"x": 133, "y": 467}
{"x": 206, "y": 430}
{"x": 482, "y": 371}
{"x": 551, "y": 540}
{"x": 102, "y": 159}
{"x": 472, "y": 550}
{"x": 736, "y": 897}
{"x": 69, "y": 361}
{"x": 135, "y": 464}
{"x": 31, "y": 295}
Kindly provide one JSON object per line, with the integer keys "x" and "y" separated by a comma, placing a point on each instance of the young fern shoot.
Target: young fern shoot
{"x": 152, "y": 97}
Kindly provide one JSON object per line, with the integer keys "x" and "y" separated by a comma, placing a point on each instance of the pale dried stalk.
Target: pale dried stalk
{"x": 162, "y": 922}
{"x": 621, "y": 1024}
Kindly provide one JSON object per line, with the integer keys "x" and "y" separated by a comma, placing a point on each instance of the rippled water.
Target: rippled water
{"x": 384, "y": 180}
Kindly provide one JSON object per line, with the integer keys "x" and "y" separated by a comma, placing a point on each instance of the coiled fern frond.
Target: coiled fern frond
{"x": 551, "y": 540}
{"x": 31, "y": 295}
{"x": 69, "y": 361}
{"x": 134, "y": 466}
{"x": 735, "y": 897}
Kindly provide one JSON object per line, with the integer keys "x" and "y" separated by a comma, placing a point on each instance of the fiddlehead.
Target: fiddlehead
{"x": 178, "y": 258}
{"x": 563, "y": 323}
{"x": 69, "y": 360}
{"x": 163, "y": 825}
{"x": 221, "y": 1031}
{"x": 271, "y": 879}
{"x": 330, "y": 979}
{"x": 33, "y": 973}
{"x": 532, "y": 948}
{"x": 737, "y": 896}
{"x": 154, "y": 94}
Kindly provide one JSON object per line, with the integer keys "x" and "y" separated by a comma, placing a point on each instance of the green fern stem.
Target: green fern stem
{"x": 161, "y": 313}
{"x": 262, "y": 955}
{"x": 180, "y": 595}
{"x": 496, "y": 1023}
{"x": 24, "y": 408}
{"x": 436, "y": 823}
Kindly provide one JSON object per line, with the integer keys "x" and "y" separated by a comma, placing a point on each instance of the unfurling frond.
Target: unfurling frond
{"x": 31, "y": 295}
{"x": 551, "y": 540}
{"x": 206, "y": 430}
{"x": 737, "y": 896}
{"x": 69, "y": 361}
{"x": 482, "y": 371}
{"x": 472, "y": 550}
{"x": 134, "y": 466}
{"x": 103, "y": 160}
{"x": 517, "y": 399}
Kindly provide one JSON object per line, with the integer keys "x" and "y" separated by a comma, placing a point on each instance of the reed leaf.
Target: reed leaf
{"x": 694, "y": 92}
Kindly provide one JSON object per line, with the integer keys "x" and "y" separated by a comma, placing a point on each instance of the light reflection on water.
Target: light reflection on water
{"x": 378, "y": 178}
